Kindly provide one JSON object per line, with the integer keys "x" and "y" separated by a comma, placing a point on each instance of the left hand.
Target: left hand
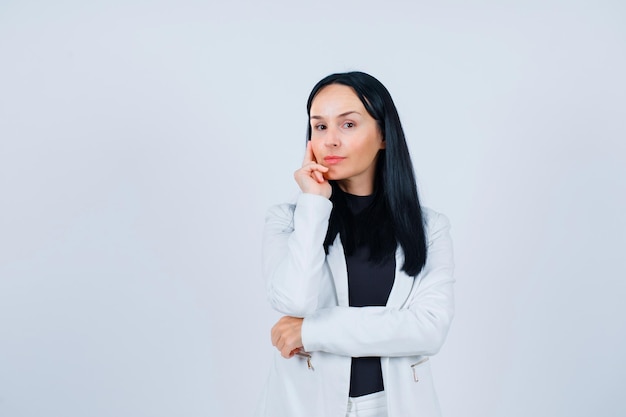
{"x": 287, "y": 335}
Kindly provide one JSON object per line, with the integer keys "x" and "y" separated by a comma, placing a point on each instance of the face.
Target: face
{"x": 345, "y": 138}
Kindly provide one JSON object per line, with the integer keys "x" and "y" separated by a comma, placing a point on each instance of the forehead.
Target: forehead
{"x": 335, "y": 99}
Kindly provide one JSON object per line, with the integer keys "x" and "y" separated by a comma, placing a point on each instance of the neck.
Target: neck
{"x": 357, "y": 186}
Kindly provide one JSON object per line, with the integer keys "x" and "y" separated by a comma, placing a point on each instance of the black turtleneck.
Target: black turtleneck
{"x": 369, "y": 284}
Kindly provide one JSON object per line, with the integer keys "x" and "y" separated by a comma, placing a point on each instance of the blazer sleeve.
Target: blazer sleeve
{"x": 419, "y": 327}
{"x": 293, "y": 253}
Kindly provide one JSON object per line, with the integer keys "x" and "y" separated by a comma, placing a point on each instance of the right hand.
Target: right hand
{"x": 287, "y": 336}
{"x": 310, "y": 177}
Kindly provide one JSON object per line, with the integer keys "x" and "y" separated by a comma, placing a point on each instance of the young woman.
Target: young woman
{"x": 362, "y": 272}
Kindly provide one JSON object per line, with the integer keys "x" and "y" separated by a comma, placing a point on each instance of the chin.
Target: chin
{"x": 335, "y": 174}
{"x": 333, "y": 177}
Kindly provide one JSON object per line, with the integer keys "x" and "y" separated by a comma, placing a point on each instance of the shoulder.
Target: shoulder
{"x": 432, "y": 217}
{"x": 435, "y": 223}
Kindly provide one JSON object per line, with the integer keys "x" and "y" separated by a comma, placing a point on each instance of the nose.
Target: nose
{"x": 332, "y": 139}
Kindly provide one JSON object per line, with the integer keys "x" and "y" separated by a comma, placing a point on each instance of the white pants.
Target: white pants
{"x": 370, "y": 405}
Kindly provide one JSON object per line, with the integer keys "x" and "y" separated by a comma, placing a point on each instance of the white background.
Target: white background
{"x": 141, "y": 143}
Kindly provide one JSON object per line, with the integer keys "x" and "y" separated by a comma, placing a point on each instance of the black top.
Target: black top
{"x": 369, "y": 284}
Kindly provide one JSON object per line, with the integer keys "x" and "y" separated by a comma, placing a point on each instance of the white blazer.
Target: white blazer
{"x": 303, "y": 281}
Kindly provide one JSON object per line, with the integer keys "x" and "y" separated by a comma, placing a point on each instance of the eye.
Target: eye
{"x": 320, "y": 127}
{"x": 348, "y": 125}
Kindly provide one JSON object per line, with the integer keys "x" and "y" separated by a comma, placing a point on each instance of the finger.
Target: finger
{"x": 318, "y": 176}
{"x": 312, "y": 167}
{"x": 287, "y": 351}
{"x": 308, "y": 154}
{"x": 320, "y": 167}
{"x": 309, "y": 170}
{"x": 280, "y": 344}
{"x": 292, "y": 353}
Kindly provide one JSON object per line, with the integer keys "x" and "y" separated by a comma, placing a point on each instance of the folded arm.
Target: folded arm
{"x": 419, "y": 327}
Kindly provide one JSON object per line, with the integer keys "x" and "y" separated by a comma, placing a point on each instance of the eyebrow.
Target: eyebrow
{"x": 341, "y": 115}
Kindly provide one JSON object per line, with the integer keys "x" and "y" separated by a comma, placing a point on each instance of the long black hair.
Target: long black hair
{"x": 395, "y": 215}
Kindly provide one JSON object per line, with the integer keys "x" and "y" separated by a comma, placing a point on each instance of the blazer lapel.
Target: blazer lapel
{"x": 402, "y": 284}
{"x": 337, "y": 263}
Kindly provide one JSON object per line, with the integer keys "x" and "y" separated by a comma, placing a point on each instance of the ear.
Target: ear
{"x": 383, "y": 144}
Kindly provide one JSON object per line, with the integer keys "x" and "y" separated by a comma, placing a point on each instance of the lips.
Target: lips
{"x": 331, "y": 159}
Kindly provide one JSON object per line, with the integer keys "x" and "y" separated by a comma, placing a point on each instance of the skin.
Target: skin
{"x": 341, "y": 127}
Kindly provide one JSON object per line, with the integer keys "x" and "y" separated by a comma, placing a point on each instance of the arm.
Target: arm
{"x": 293, "y": 253}
{"x": 417, "y": 328}
{"x": 293, "y": 238}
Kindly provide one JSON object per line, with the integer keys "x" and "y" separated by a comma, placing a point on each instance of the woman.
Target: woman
{"x": 361, "y": 272}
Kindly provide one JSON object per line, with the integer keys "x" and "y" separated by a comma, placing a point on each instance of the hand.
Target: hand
{"x": 287, "y": 335}
{"x": 310, "y": 177}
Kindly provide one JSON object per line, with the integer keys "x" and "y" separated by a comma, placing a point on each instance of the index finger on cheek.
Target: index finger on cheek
{"x": 308, "y": 154}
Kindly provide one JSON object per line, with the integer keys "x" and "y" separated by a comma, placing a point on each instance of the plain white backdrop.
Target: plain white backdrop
{"x": 141, "y": 143}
